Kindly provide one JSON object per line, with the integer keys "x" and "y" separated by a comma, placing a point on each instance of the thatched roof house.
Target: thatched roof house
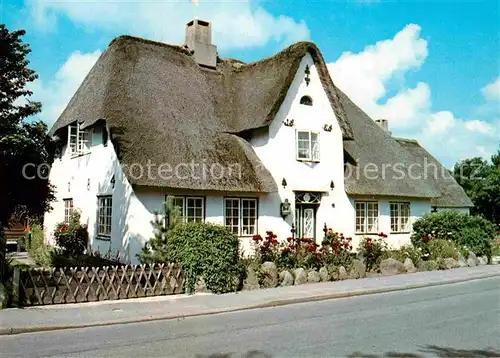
{"x": 295, "y": 137}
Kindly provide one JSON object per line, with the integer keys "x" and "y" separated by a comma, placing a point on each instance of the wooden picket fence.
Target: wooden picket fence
{"x": 89, "y": 284}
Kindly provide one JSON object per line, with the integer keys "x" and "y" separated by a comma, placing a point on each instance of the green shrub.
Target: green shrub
{"x": 473, "y": 239}
{"x": 72, "y": 238}
{"x": 206, "y": 250}
{"x": 404, "y": 252}
{"x": 37, "y": 248}
{"x": 373, "y": 250}
{"x": 474, "y": 232}
{"x": 442, "y": 249}
{"x": 336, "y": 250}
{"x": 154, "y": 250}
{"x": 430, "y": 265}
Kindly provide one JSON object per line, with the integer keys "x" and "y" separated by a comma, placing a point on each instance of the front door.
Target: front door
{"x": 306, "y": 221}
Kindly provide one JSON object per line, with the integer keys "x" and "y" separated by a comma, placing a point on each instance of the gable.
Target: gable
{"x": 151, "y": 95}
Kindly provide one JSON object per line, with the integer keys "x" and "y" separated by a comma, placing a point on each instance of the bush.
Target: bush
{"x": 294, "y": 253}
{"x": 206, "y": 250}
{"x": 336, "y": 250}
{"x": 72, "y": 237}
{"x": 474, "y": 232}
{"x": 442, "y": 249}
{"x": 473, "y": 239}
{"x": 406, "y": 251}
{"x": 37, "y": 248}
{"x": 373, "y": 250}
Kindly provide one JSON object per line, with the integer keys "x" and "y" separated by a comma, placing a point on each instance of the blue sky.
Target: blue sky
{"x": 430, "y": 67}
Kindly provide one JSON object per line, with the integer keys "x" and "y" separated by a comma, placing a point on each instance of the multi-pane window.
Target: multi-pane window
{"x": 366, "y": 216}
{"x": 308, "y": 146}
{"x": 68, "y": 210}
{"x": 79, "y": 139}
{"x": 240, "y": 216}
{"x": 400, "y": 217}
{"x": 190, "y": 208}
{"x": 104, "y": 216}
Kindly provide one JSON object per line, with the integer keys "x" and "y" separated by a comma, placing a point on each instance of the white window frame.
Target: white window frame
{"x": 79, "y": 140}
{"x": 104, "y": 215}
{"x": 184, "y": 207}
{"x": 237, "y": 222}
{"x": 313, "y": 153}
{"x": 68, "y": 209}
{"x": 367, "y": 214}
{"x": 400, "y": 217}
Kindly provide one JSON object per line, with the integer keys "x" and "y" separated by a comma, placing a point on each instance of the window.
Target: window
{"x": 241, "y": 216}
{"x": 104, "y": 216}
{"x": 68, "y": 209}
{"x": 306, "y": 100}
{"x": 308, "y": 146}
{"x": 78, "y": 139}
{"x": 366, "y": 217}
{"x": 190, "y": 208}
{"x": 400, "y": 217}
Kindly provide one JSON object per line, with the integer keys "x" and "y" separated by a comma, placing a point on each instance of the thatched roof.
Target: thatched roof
{"x": 160, "y": 106}
{"x": 452, "y": 194}
{"x": 373, "y": 147}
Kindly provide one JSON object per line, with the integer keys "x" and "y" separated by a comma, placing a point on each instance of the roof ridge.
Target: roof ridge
{"x": 179, "y": 48}
{"x": 408, "y": 140}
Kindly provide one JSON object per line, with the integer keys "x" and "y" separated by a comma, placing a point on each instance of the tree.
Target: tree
{"x": 26, "y": 151}
{"x": 155, "y": 249}
{"x": 481, "y": 181}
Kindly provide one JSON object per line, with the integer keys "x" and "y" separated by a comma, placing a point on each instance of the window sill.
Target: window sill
{"x": 399, "y": 232}
{"x": 308, "y": 160}
{"x": 367, "y": 233}
{"x": 103, "y": 238}
{"x": 79, "y": 155}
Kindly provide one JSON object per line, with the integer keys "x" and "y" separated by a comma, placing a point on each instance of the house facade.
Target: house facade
{"x": 271, "y": 145}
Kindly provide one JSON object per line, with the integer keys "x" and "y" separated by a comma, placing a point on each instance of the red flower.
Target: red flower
{"x": 337, "y": 252}
{"x": 63, "y": 228}
{"x": 349, "y": 239}
{"x": 274, "y": 241}
{"x": 257, "y": 238}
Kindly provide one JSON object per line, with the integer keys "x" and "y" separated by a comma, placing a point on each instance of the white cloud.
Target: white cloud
{"x": 492, "y": 91}
{"x": 440, "y": 122}
{"x": 479, "y": 126}
{"x": 56, "y": 93}
{"x": 364, "y": 75}
{"x": 367, "y": 75}
{"x": 236, "y": 24}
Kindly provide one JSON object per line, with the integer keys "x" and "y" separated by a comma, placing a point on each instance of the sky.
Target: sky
{"x": 431, "y": 68}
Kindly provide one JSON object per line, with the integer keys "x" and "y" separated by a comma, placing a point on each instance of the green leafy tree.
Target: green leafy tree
{"x": 24, "y": 146}
{"x": 155, "y": 250}
{"x": 481, "y": 181}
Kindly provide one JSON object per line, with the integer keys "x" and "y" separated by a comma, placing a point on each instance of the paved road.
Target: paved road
{"x": 447, "y": 321}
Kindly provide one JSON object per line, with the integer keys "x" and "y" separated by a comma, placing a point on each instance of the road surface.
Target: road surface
{"x": 447, "y": 321}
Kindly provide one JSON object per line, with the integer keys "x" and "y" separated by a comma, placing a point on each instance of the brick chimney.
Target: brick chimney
{"x": 384, "y": 125}
{"x": 199, "y": 40}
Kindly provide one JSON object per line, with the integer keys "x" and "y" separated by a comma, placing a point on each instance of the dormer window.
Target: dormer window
{"x": 307, "y": 146}
{"x": 306, "y": 101}
{"x": 78, "y": 139}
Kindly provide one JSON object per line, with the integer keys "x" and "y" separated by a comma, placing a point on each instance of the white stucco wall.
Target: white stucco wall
{"x": 277, "y": 150}
{"x": 418, "y": 208}
{"x": 89, "y": 176}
